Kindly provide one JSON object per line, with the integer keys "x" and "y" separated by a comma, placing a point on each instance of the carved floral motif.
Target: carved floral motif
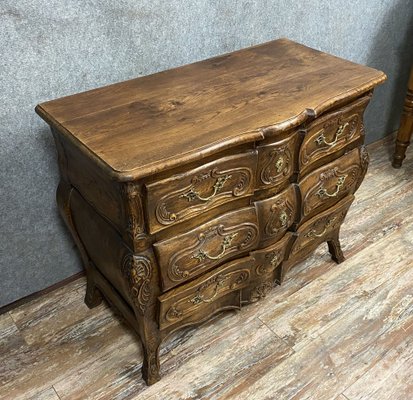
{"x": 135, "y": 218}
{"x": 260, "y": 291}
{"x": 138, "y": 271}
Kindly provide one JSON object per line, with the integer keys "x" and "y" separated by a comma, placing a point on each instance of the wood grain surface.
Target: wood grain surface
{"x": 196, "y": 110}
{"x": 329, "y": 332}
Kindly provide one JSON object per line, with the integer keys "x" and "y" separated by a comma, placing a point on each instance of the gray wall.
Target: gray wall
{"x": 54, "y": 48}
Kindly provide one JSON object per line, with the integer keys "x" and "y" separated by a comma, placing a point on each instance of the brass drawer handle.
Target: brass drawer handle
{"x": 199, "y": 297}
{"x": 202, "y": 254}
{"x": 192, "y": 194}
{"x": 274, "y": 260}
{"x": 340, "y": 182}
{"x": 279, "y": 164}
{"x": 283, "y": 219}
{"x": 314, "y": 234}
{"x": 322, "y": 139}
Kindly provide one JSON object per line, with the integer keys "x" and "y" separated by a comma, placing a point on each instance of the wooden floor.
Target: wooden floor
{"x": 330, "y": 332}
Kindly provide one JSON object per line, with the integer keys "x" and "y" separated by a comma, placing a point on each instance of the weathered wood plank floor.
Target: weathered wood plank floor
{"x": 330, "y": 332}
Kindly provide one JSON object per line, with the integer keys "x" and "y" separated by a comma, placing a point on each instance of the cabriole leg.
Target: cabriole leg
{"x": 93, "y": 297}
{"x": 151, "y": 342}
{"x": 151, "y": 365}
{"x": 334, "y": 248}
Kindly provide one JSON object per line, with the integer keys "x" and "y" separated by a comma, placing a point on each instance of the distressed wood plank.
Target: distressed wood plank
{"x": 392, "y": 376}
{"x": 195, "y": 365}
{"x": 14, "y": 353}
{"x": 40, "y": 319}
{"x": 48, "y": 394}
{"x": 31, "y": 368}
{"x": 398, "y": 386}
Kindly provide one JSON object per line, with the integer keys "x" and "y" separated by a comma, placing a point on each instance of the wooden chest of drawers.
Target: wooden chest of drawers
{"x": 194, "y": 190}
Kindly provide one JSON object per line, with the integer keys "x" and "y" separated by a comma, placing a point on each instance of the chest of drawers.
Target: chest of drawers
{"x": 195, "y": 190}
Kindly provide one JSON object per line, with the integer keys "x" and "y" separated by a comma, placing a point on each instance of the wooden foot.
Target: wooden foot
{"x": 406, "y": 126}
{"x": 151, "y": 341}
{"x": 334, "y": 248}
{"x": 151, "y": 365}
{"x": 399, "y": 153}
{"x": 93, "y": 297}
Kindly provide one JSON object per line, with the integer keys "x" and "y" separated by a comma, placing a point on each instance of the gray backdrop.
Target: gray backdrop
{"x": 54, "y": 48}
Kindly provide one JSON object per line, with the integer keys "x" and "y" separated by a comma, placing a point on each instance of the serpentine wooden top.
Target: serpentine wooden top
{"x": 145, "y": 125}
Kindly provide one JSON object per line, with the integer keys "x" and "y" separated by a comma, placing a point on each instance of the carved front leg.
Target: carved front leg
{"x": 151, "y": 342}
{"x": 141, "y": 273}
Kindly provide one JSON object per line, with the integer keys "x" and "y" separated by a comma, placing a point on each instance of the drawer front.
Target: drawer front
{"x": 190, "y": 193}
{"x": 268, "y": 259}
{"x": 327, "y": 185}
{"x": 264, "y": 271}
{"x": 215, "y": 291}
{"x": 332, "y": 132}
{"x": 320, "y": 228}
{"x": 276, "y": 162}
{"x": 276, "y": 215}
{"x": 190, "y": 254}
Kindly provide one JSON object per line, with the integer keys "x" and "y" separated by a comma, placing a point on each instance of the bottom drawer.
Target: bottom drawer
{"x": 215, "y": 291}
{"x": 268, "y": 259}
{"x": 320, "y": 228}
{"x": 265, "y": 269}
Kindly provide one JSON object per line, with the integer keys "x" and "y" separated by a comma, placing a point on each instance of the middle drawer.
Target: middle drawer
{"x": 185, "y": 256}
{"x": 329, "y": 184}
{"x": 276, "y": 215}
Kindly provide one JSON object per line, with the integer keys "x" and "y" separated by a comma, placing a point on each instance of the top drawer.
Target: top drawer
{"x": 332, "y": 132}
{"x": 192, "y": 192}
{"x": 276, "y": 162}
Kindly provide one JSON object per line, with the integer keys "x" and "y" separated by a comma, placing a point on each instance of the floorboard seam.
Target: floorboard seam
{"x": 278, "y": 337}
{"x": 18, "y": 329}
{"x": 22, "y": 335}
{"x": 57, "y": 394}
